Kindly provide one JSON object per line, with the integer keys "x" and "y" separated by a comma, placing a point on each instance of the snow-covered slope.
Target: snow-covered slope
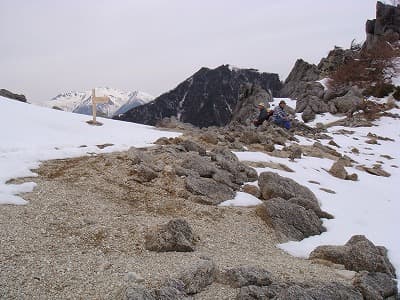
{"x": 369, "y": 206}
{"x": 37, "y": 133}
{"x": 80, "y": 102}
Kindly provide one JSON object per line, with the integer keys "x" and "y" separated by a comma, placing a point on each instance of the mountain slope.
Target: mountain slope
{"x": 80, "y": 102}
{"x": 205, "y": 99}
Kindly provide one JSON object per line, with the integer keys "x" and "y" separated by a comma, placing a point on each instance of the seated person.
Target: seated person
{"x": 280, "y": 116}
{"x": 264, "y": 115}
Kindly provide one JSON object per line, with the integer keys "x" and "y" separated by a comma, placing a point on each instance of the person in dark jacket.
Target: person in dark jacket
{"x": 263, "y": 116}
{"x": 280, "y": 116}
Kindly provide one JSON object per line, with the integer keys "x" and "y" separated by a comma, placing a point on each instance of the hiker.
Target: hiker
{"x": 264, "y": 115}
{"x": 280, "y": 116}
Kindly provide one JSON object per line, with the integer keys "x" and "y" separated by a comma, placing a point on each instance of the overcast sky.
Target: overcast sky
{"x": 48, "y": 47}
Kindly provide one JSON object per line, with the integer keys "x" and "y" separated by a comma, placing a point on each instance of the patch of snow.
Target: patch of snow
{"x": 325, "y": 83}
{"x": 33, "y": 134}
{"x": 242, "y": 199}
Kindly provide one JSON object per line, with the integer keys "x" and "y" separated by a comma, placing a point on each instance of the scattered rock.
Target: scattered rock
{"x": 244, "y": 276}
{"x": 332, "y": 143}
{"x": 252, "y": 190}
{"x": 176, "y": 235}
{"x": 314, "y": 182}
{"x": 139, "y": 293}
{"x": 273, "y": 185}
{"x": 358, "y": 254}
{"x": 193, "y": 146}
{"x": 142, "y": 173}
{"x": 203, "y": 166}
{"x": 375, "y": 285}
{"x": 372, "y": 141}
{"x": 377, "y": 171}
{"x": 199, "y": 276}
{"x": 214, "y": 191}
{"x": 210, "y": 138}
{"x": 253, "y": 292}
{"x": 328, "y": 190}
{"x": 291, "y": 221}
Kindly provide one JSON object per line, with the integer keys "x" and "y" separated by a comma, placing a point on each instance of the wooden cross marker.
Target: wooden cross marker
{"x": 95, "y": 100}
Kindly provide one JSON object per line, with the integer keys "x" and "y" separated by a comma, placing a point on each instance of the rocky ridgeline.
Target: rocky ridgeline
{"x": 207, "y": 98}
{"x": 11, "y": 95}
{"x": 313, "y": 97}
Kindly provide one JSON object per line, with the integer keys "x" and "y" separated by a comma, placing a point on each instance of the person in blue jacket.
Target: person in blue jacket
{"x": 280, "y": 117}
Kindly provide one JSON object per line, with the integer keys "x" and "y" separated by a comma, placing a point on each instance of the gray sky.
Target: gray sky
{"x": 53, "y": 46}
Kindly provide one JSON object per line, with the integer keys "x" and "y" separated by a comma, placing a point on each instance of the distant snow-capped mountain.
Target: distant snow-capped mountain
{"x": 80, "y": 102}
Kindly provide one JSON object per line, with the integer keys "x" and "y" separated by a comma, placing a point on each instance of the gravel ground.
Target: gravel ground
{"x": 83, "y": 231}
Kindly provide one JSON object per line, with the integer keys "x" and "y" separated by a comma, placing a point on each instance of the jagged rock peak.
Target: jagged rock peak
{"x": 386, "y": 25}
{"x": 207, "y": 98}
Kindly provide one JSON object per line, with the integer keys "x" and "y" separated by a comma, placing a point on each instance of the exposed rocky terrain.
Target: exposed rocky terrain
{"x": 144, "y": 224}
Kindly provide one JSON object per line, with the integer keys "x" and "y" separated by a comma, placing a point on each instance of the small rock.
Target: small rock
{"x": 134, "y": 277}
{"x": 328, "y": 190}
{"x": 176, "y": 235}
{"x": 252, "y": 190}
{"x": 244, "y": 276}
{"x": 199, "y": 276}
{"x": 337, "y": 170}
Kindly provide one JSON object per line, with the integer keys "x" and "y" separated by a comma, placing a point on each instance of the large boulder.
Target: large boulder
{"x": 244, "y": 276}
{"x": 176, "y": 235}
{"x": 228, "y": 161}
{"x": 273, "y": 185}
{"x": 358, "y": 254}
{"x": 348, "y": 102}
{"x": 291, "y": 221}
{"x": 375, "y": 285}
{"x": 215, "y": 192}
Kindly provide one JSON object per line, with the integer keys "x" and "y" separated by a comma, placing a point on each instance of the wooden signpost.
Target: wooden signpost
{"x": 95, "y": 100}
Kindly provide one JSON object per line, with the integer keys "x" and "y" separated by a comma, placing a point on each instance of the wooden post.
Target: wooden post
{"x": 94, "y": 105}
{"x": 95, "y": 100}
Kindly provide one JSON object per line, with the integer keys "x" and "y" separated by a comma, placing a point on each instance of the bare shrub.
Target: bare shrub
{"x": 367, "y": 70}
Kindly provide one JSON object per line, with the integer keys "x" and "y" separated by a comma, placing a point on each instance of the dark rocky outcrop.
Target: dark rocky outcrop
{"x": 296, "y": 83}
{"x": 335, "y": 58}
{"x": 176, "y": 235}
{"x": 358, "y": 254}
{"x": 7, "y": 94}
{"x": 246, "y": 108}
{"x": 205, "y": 99}
{"x": 386, "y": 26}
